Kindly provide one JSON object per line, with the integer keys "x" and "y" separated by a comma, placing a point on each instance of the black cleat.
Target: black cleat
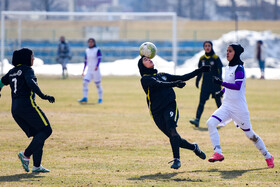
{"x": 176, "y": 163}
{"x": 195, "y": 122}
{"x": 198, "y": 152}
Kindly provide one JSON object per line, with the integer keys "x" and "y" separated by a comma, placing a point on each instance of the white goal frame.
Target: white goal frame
{"x": 173, "y": 16}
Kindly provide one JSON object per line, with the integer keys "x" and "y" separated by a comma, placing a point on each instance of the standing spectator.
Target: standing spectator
{"x": 161, "y": 100}
{"x": 92, "y": 61}
{"x": 26, "y": 113}
{"x": 63, "y": 55}
{"x": 260, "y": 56}
{"x": 234, "y": 107}
{"x": 208, "y": 87}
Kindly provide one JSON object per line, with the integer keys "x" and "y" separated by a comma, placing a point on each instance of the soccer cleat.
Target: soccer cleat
{"x": 99, "y": 101}
{"x": 24, "y": 161}
{"x": 195, "y": 122}
{"x": 270, "y": 162}
{"x": 176, "y": 163}
{"x": 216, "y": 157}
{"x": 40, "y": 169}
{"x": 83, "y": 100}
{"x": 198, "y": 152}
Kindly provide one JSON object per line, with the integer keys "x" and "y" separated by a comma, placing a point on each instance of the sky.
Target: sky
{"x": 128, "y": 67}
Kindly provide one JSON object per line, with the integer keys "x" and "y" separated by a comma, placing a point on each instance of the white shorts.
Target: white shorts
{"x": 225, "y": 115}
{"x": 93, "y": 75}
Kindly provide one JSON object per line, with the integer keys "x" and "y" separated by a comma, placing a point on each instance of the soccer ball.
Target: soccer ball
{"x": 148, "y": 49}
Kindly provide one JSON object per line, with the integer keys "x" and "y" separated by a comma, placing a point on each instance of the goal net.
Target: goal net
{"x": 119, "y": 35}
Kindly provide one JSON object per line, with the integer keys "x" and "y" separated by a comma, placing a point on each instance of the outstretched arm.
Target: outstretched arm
{"x": 154, "y": 83}
{"x": 32, "y": 84}
{"x": 189, "y": 75}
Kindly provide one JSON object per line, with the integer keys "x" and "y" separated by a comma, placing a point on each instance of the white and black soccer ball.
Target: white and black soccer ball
{"x": 148, "y": 49}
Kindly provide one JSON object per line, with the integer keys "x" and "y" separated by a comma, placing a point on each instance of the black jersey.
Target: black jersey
{"x": 23, "y": 82}
{"x": 159, "y": 91}
{"x": 216, "y": 70}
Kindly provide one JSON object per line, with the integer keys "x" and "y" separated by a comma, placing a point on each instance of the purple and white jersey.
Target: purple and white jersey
{"x": 234, "y": 106}
{"x": 92, "y": 58}
{"x": 92, "y": 61}
{"x": 235, "y": 85}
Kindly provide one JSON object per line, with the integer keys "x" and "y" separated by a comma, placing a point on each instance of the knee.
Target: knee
{"x": 211, "y": 123}
{"x": 48, "y": 131}
{"x": 173, "y": 133}
{"x": 85, "y": 83}
{"x": 202, "y": 103}
{"x": 98, "y": 85}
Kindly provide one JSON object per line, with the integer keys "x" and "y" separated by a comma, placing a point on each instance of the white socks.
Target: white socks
{"x": 85, "y": 89}
{"x": 214, "y": 135}
{"x": 99, "y": 90}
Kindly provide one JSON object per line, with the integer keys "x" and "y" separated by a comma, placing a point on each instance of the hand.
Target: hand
{"x": 217, "y": 80}
{"x": 219, "y": 94}
{"x": 180, "y": 84}
{"x": 51, "y": 99}
{"x": 205, "y": 68}
{"x": 96, "y": 68}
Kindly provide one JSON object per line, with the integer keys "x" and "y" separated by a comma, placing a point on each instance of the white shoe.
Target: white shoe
{"x": 40, "y": 169}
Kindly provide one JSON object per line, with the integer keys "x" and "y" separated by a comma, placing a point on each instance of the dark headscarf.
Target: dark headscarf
{"x": 16, "y": 58}
{"x": 92, "y": 39}
{"x": 212, "y": 52}
{"x": 144, "y": 70}
{"x": 22, "y": 56}
{"x": 238, "y": 49}
{"x": 25, "y": 56}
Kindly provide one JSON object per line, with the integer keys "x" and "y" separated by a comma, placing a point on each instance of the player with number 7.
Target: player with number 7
{"x": 26, "y": 113}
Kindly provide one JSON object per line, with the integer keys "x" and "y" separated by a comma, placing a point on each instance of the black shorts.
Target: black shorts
{"x": 30, "y": 117}
{"x": 167, "y": 118}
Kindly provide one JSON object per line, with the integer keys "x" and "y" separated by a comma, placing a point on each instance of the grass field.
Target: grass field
{"x": 116, "y": 143}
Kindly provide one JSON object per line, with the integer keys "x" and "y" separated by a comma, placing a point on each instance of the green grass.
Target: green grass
{"x": 116, "y": 143}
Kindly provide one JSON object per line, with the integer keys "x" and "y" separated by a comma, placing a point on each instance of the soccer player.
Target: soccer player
{"x": 161, "y": 100}
{"x": 234, "y": 106}
{"x": 207, "y": 86}
{"x": 63, "y": 55}
{"x": 92, "y": 61}
{"x": 26, "y": 113}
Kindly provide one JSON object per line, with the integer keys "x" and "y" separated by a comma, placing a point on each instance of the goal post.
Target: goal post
{"x": 21, "y": 15}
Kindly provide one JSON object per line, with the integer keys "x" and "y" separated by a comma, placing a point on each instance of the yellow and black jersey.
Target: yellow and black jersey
{"x": 26, "y": 113}
{"x": 216, "y": 70}
{"x": 22, "y": 81}
{"x": 158, "y": 88}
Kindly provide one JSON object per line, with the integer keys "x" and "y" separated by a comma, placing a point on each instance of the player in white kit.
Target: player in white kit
{"x": 92, "y": 61}
{"x": 234, "y": 106}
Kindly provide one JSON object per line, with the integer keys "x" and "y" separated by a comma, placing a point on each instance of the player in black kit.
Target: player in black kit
{"x": 161, "y": 100}
{"x": 207, "y": 86}
{"x": 26, "y": 113}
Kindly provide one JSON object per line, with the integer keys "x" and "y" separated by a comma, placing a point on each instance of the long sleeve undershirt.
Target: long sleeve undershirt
{"x": 239, "y": 75}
